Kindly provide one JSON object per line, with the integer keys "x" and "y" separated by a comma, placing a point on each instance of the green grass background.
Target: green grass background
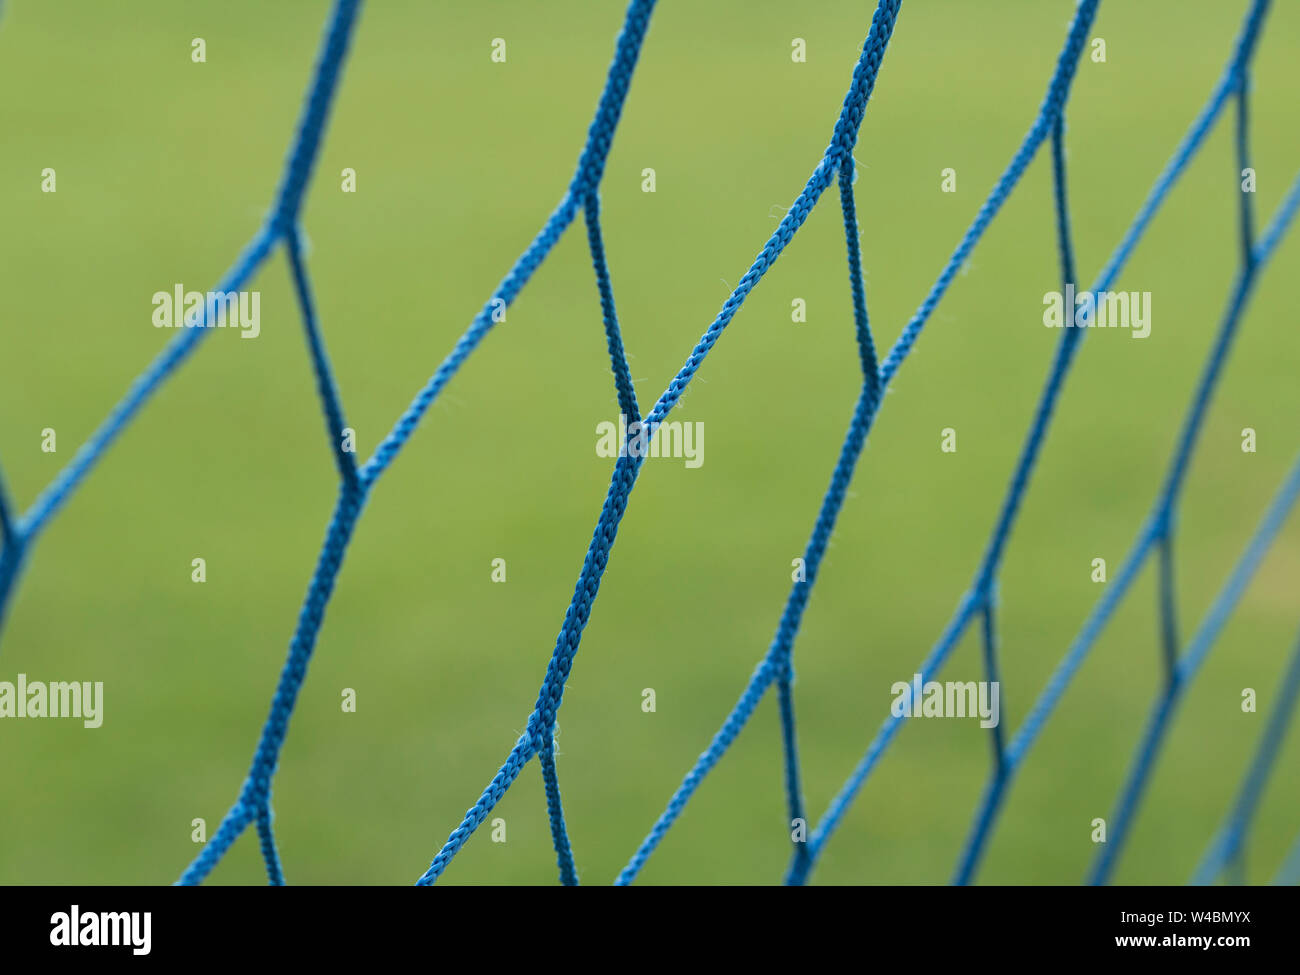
{"x": 164, "y": 170}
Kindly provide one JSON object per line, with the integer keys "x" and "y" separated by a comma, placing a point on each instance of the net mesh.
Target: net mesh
{"x": 975, "y": 608}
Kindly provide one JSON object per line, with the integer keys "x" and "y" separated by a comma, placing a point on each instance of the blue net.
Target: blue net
{"x": 976, "y": 607}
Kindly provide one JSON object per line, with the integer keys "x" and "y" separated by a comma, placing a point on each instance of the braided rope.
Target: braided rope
{"x": 253, "y": 804}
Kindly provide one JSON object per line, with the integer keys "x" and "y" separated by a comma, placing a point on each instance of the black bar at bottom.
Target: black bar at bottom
{"x": 134, "y": 925}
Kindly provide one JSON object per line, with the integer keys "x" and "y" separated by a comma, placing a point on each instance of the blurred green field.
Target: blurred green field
{"x": 164, "y": 169}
